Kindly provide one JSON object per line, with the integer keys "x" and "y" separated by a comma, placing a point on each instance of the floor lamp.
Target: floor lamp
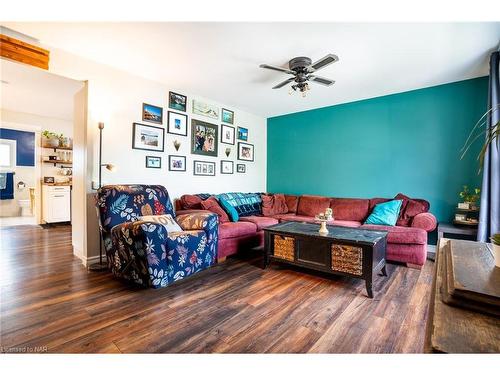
{"x": 101, "y": 266}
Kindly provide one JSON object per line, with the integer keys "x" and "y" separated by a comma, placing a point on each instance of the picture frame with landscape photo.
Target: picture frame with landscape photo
{"x": 227, "y": 134}
{"x": 227, "y": 116}
{"x": 177, "y": 101}
{"x": 245, "y": 151}
{"x": 203, "y": 168}
{"x": 148, "y": 137}
{"x": 153, "y": 162}
{"x": 204, "y": 138}
{"x": 205, "y": 109}
{"x": 226, "y": 167}
{"x": 177, "y": 123}
{"x": 177, "y": 163}
{"x": 242, "y": 134}
{"x": 241, "y": 168}
{"x": 152, "y": 113}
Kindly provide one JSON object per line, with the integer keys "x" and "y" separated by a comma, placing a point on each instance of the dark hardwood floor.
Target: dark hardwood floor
{"x": 49, "y": 302}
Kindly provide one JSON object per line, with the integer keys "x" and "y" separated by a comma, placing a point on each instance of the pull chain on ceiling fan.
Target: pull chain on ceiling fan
{"x": 302, "y": 68}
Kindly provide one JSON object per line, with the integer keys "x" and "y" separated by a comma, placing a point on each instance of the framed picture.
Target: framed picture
{"x": 177, "y": 101}
{"x": 203, "y": 138}
{"x": 177, "y": 123}
{"x": 226, "y": 167}
{"x": 245, "y": 151}
{"x": 227, "y": 116}
{"x": 48, "y": 180}
{"x": 205, "y": 109}
{"x": 147, "y": 137}
{"x": 153, "y": 162}
{"x": 242, "y": 134}
{"x": 227, "y": 134}
{"x": 152, "y": 113}
{"x": 177, "y": 163}
{"x": 204, "y": 168}
{"x": 241, "y": 168}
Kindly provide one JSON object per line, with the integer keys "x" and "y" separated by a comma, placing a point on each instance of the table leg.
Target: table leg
{"x": 266, "y": 250}
{"x": 369, "y": 288}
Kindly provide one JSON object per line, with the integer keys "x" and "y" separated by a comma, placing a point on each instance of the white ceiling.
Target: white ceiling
{"x": 36, "y": 91}
{"x": 220, "y": 60}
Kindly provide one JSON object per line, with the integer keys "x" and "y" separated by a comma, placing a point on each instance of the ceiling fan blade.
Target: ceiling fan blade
{"x": 284, "y": 83}
{"x": 321, "y": 63}
{"x": 321, "y": 80}
{"x": 277, "y": 68}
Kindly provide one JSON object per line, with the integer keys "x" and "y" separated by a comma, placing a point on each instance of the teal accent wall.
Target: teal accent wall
{"x": 408, "y": 142}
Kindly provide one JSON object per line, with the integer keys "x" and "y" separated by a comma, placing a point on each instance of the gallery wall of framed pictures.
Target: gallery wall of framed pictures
{"x": 195, "y": 133}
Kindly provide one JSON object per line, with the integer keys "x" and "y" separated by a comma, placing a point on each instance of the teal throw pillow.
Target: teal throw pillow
{"x": 231, "y": 211}
{"x": 385, "y": 213}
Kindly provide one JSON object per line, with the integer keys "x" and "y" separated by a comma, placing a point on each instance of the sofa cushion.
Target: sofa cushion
{"x": 191, "y": 202}
{"x": 291, "y": 202}
{"x": 375, "y": 201}
{"x": 228, "y": 207}
{"x": 401, "y": 235}
{"x": 273, "y": 204}
{"x": 260, "y": 221}
{"x": 293, "y": 217}
{"x": 212, "y": 205}
{"x": 311, "y": 205}
{"x": 232, "y": 230}
{"x": 347, "y": 223}
{"x": 410, "y": 208}
{"x": 352, "y": 209}
{"x": 246, "y": 204}
{"x": 386, "y": 213}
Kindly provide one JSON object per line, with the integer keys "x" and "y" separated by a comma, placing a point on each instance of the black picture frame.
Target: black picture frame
{"x": 196, "y": 146}
{"x": 172, "y": 103}
{"x": 169, "y": 125}
{"x": 170, "y": 157}
{"x": 240, "y": 145}
{"x": 148, "y": 118}
{"x": 150, "y": 158}
{"x": 241, "y": 168}
{"x": 136, "y": 147}
{"x": 222, "y": 134}
{"x": 226, "y": 112}
{"x": 202, "y": 163}
{"x": 222, "y": 162}
{"x": 242, "y": 133}
{"x": 49, "y": 180}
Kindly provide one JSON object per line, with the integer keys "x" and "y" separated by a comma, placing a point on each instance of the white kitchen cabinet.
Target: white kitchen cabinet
{"x": 56, "y": 203}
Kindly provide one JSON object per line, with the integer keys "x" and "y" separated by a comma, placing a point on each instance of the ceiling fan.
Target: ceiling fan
{"x": 302, "y": 70}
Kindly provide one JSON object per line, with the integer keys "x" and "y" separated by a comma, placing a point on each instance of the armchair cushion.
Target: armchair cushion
{"x": 166, "y": 220}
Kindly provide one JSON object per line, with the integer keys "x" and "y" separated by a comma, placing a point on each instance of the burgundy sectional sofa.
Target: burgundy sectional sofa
{"x": 406, "y": 242}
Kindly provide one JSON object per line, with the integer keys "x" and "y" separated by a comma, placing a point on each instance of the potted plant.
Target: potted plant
{"x": 495, "y": 240}
{"x": 469, "y": 198}
{"x": 50, "y": 139}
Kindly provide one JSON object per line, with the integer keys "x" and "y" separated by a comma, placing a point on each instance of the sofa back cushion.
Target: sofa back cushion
{"x": 410, "y": 208}
{"x": 211, "y": 204}
{"x": 352, "y": 209}
{"x": 311, "y": 205}
{"x": 193, "y": 201}
{"x": 273, "y": 204}
{"x": 292, "y": 201}
{"x": 118, "y": 204}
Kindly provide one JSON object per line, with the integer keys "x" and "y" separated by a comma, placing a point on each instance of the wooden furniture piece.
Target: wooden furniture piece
{"x": 17, "y": 50}
{"x": 343, "y": 251}
{"x": 447, "y": 228}
{"x": 471, "y": 216}
{"x": 466, "y": 285}
{"x": 56, "y": 203}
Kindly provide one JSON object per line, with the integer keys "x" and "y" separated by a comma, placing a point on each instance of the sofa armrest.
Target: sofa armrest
{"x": 425, "y": 221}
{"x": 202, "y": 220}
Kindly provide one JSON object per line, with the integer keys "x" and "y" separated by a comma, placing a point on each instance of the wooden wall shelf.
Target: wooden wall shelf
{"x": 55, "y": 162}
{"x": 58, "y": 148}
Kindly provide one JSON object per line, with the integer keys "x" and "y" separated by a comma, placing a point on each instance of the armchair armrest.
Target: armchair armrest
{"x": 202, "y": 220}
{"x": 139, "y": 250}
{"x": 425, "y": 221}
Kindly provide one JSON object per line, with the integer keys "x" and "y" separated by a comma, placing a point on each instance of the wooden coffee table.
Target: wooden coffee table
{"x": 353, "y": 252}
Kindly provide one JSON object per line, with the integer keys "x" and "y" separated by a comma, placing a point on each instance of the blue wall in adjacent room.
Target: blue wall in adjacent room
{"x": 408, "y": 142}
{"x": 25, "y": 145}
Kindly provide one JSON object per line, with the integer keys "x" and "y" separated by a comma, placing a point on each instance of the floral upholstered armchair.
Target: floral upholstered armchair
{"x": 143, "y": 251}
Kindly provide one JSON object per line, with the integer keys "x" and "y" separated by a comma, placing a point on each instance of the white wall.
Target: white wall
{"x": 116, "y": 98}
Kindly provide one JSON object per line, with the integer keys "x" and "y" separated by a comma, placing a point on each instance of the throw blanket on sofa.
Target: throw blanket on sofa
{"x": 246, "y": 204}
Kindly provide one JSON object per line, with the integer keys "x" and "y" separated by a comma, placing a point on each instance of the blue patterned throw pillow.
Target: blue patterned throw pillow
{"x": 245, "y": 204}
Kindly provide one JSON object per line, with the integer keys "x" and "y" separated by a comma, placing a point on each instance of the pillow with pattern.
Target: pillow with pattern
{"x": 166, "y": 220}
{"x": 245, "y": 204}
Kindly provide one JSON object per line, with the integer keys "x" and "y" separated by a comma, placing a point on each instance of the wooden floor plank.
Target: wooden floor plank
{"x": 49, "y": 300}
